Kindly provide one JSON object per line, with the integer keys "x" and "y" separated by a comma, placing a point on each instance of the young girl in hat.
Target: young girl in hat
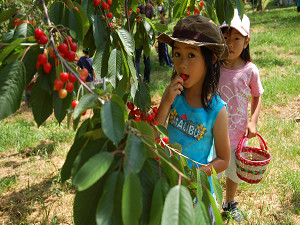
{"x": 239, "y": 78}
{"x": 197, "y": 115}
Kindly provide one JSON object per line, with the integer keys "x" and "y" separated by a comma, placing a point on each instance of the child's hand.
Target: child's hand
{"x": 173, "y": 89}
{"x": 251, "y": 130}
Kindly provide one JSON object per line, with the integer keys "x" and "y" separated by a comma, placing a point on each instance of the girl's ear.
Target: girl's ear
{"x": 247, "y": 40}
{"x": 214, "y": 58}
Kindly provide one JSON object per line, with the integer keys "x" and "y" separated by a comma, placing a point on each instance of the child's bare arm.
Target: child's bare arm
{"x": 172, "y": 90}
{"x": 222, "y": 144}
{"x": 255, "y": 109}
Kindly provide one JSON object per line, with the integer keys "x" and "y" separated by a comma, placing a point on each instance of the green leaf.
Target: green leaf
{"x": 220, "y": 11}
{"x": 32, "y": 53}
{"x": 135, "y": 154}
{"x": 202, "y": 183}
{"x": 201, "y": 215}
{"x": 84, "y": 18}
{"x": 132, "y": 68}
{"x": 216, "y": 211}
{"x": 8, "y": 36}
{"x": 85, "y": 203}
{"x": 109, "y": 207}
{"x": 56, "y": 13}
{"x": 61, "y": 105}
{"x": 98, "y": 60}
{"x": 142, "y": 96}
{"x": 132, "y": 200}
{"x": 12, "y": 84}
{"x": 75, "y": 24}
{"x": 162, "y": 130}
{"x": 113, "y": 124}
{"x": 41, "y": 102}
{"x": 24, "y": 30}
{"x": 92, "y": 170}
{"x": 7, "y": 14}
{"x": 170, "y": 172}
{"x": 100, "y": 34}
{"x": 115, "y": 67}
{"x": 229, "y": 12}
{"x": 89, "y": 8}
{"x": 158, "y": 198}
{"x": 8, "y": 50}
{"x": 77, "y": 146}
{"x": 217, "y": 187}
{"x": 240, "y": 7}
{"x": 86, "y": 102}
{"x": 178, "y": 208}
{"x": 117, "y": 99}
{"x": 127, "y": 41}
{"x": 161, "y": 28}
{"x": 179, "y": 8}
{"x": 147, "y": 133}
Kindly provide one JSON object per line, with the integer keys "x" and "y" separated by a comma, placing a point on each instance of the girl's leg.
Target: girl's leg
{"x": 231, "y": 189}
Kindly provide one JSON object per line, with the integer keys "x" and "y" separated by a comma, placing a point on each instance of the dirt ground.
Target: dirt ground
{"x": 36, "y": 195}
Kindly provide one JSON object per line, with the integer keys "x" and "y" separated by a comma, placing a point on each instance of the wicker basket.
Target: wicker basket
{"x": 251, "y": 162}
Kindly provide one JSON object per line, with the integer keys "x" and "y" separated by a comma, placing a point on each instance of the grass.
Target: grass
{"x": 31, "y": 157}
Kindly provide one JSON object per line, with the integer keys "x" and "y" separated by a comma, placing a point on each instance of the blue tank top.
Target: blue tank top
{"x": 193, "y": 128}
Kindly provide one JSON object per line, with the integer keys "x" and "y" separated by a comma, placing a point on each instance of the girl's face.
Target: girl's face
{"x": 236, "y": 42}
{"x": 188, "y": 60}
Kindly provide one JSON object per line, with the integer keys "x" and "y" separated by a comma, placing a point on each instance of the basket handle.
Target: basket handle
{"x": 262, "y": 143}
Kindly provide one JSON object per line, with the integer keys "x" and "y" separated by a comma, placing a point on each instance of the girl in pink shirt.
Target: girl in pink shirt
{"x": 239, "y": 78}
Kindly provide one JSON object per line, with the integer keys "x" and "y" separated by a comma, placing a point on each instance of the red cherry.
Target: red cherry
{"x": 63, "y": 48}
{"x": 137, "y": 119}
{"x": 137, "y": 112}
{"x": 111, "y": 24}
{"x": 43, "y": 40}
{"x": 68, "y": 39}
{"x": 188, "y": 13}
{"x": 62, "y": 93}
{"x": 188, "y": 8}
{"x": 132, "y": 113}
{"x": 72, "y": 78}
{"x": 47, "y": 67}
{"x": 138, "y": 10}
{"x": 183, "y": 76}
{"x": 202, "y": 4}
{"x": 104, "y": 5}
{"x": 196, "y": 11}
{"x": 84, "y": 72}
{"x": 38, "y": 33}
{"x": 70, "y": 56}
{"x": 17, "y": 22}
{"x": 149, "y": 117}
{"x": 138, "y": 19}
{"x": 42, "y": 59}
{"x": 130, "y": 105}
{"x": 166, "y": 140}
{"x": 109, "y": 15}
{"x": 82, "y": 78}
{"x": 155, "y": 110}
{"x": 69, "y": 87}
{"x": 83, "y": 113}
{"x": 76, "y": 9}
{"x": 64, "y": 77}
{"x": 155, "y": 123}
{"x": 96, "y": 2}
{"x": 109, "y": 2}
{"x": 58, "y": 84}
{"x": 75, "y": 103}
{"x": 156, "y": 157}
{"x": 73, "y": 46}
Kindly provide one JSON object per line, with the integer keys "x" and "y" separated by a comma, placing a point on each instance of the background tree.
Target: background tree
{"x": 121, "y": 163}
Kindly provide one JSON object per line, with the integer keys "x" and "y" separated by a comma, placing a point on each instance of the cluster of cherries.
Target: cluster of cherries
{"x": 196, "y": 11}
{"x": 138, "y": 115}
{"x": 68, "y": 49}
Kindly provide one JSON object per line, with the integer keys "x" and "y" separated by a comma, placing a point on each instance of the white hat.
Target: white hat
{"x": 243, "y": 26}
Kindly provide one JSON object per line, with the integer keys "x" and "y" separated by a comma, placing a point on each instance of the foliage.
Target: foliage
{"x": 122, "y": 173}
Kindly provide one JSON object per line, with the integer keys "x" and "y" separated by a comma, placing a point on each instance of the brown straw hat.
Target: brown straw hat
{"x": 198, "y": 30}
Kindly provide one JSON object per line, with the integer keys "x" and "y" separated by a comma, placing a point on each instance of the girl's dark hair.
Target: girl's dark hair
{"x": 211, "y": 80}
{"x": 245, "y": 55}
